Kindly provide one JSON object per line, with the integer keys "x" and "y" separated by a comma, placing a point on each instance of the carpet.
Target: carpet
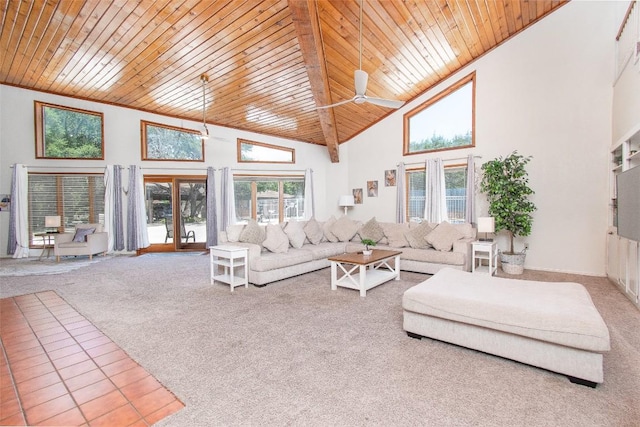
{"x": 296, "y": 353}
{"x": 10, "y": 267}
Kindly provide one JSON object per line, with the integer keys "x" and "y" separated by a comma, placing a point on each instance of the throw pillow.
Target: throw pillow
{"x": 252, "y": 233}
{"x": 313, "y": 231}
{"x": 326, "y": 229}
{"x": 233, "y": 232}
{"x": 82, "y": 233}
{"x": 395, "y": 234}
{"x": 416, "y": 236}
{"x": 371, "y": 230}
{"x": 443, "y": 236}
{"x": 276, "y": 241}
{"x": 295, "y": 233}
{"x": 344, "y": 228}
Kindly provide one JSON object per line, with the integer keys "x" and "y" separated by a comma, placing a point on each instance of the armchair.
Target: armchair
{"x": 93, "y": 243}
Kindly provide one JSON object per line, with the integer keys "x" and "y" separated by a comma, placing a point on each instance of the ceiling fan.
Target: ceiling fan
{"x": 361, "y": 78}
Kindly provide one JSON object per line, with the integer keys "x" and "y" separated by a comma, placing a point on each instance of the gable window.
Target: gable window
{"x": 68, "y": 133}
{"x": 258, "y": 152}
{"x": 455, "y": 178}
{"x": 269, "y": 199}
{"x": 77, "y": 198}
{"x": 162, "y": 142}
{"x": 445, "y": 122}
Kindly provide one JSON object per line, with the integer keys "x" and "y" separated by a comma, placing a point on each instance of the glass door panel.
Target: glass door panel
{"x": 191, "y": 224}
{"x": 159, "y": 201}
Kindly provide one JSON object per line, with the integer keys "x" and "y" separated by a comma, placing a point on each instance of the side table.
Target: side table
{"x": 229, "y": 258}
{"x": 484, "y": 251}
{"x": 47, "y": 244}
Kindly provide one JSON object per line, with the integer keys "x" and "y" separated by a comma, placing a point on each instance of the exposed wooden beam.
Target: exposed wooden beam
{"x": 305, "y": 18}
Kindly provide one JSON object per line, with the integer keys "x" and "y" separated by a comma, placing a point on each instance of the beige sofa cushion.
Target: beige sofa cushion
{"x": 443, "y": 236}
{"x": 371, "y": 230}
{"x": 277, "y": 241}
{"x": 234, "y": 231}
{"x": 270, "y": 261}
{"x": 416, "y": 236}
{"x": 326, "y": 229}
{"x": 433, "y": 256}
{"x": 295, "y": 233}
{"x": 395, "y": 234}
{"x": 344, "y": 228}
{"x": 252, "y": 233}
{"x": 313, "y": 231}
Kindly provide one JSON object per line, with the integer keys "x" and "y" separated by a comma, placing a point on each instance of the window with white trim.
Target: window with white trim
{"x": 269, "y": 199}
{"x": 455, "y": 178}
{"x": 77, "y": 198}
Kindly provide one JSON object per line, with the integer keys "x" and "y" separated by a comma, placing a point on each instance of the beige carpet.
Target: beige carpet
{"x": 297, "y": 353}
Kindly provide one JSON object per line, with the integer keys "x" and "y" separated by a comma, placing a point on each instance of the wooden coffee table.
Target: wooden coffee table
{"x": 364, "y": 272}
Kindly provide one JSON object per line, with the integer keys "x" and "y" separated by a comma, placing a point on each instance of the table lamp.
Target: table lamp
{"x": 346, "y": 202}
{"x": 486, "y": 225}
{"x": 52, "y": 222}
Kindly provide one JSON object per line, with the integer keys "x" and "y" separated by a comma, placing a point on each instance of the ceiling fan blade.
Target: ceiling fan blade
{"x": 336, "y": 104}
{"x": 389, "y": 103}
{"x": 361, "y": 78}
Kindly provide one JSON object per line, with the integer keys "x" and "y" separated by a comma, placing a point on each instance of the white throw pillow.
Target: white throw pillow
{"x": 234, "y": 231}
{"x": 416, "y": 236}
{"x": 395, "y": 234}
{"x": 252, "y": 233}
{"x": 295, "y": 233}
{"x": 277, "y": 241}
{"x": 344, "y": 228}
{"x": 443, "y": 236}
{"x": 326, "y": 229}
{"x": 371, "y": 230}
{"x": 313, "y": 231}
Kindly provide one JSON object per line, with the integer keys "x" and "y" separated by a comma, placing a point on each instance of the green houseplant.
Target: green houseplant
{"x": 367, "y": 243}
{"x": 505, "y": 181}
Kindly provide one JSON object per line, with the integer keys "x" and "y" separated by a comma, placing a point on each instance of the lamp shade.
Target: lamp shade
{"x": 486, "y": 224}
{"x": 52, "y": 221}
{"x": 346, "y": 201}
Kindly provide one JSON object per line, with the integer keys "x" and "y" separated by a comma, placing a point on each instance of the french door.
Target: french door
{"x": 176, "y": 213}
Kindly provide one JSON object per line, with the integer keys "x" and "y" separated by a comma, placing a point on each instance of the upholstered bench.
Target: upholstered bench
{"x": 553, "y": 326}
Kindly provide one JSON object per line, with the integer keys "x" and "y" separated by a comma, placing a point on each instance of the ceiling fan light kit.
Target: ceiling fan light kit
{"x": 204, "y": 133}
{"x": 361, "y": 78}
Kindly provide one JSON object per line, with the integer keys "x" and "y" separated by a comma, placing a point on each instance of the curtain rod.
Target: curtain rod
{"x": 269, "y": 170}
{"x": 444, "y": 160}
{"x": 60, "y": 167}
{"x": 173, "y": 169}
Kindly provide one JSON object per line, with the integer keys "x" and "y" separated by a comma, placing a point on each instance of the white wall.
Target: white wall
{"x": 546, "y": 93}
{"x": 122, "y": 146}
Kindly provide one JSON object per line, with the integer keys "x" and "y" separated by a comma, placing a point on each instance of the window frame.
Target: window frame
{"x": 431, "y": 102}
{"x": 144, "y": 146}
{"x": 424, "y": 170}
{"x": 241, "y": 141}
{"x": 253, "y": 180}
{"x": 93, "y": 202}
{"x": 40, "y": 125}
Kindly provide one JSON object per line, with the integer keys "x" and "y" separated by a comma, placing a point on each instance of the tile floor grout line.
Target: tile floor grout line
{"x": 13, "y": 379}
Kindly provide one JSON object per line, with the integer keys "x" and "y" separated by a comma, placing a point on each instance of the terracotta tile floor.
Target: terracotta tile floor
{"x": 56, "y": 368}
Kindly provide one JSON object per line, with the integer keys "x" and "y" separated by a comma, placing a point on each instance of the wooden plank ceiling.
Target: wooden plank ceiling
{"x": 269, "y": 62}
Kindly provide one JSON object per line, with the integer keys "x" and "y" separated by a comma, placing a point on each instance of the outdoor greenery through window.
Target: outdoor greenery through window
{"x": 77, "y": 198}
{"x": 444, "y": 122}
{"x": 258, "y": 152}
{"x": 269, "y": 200}
{"x": 162, "y": 142}
{"x": 455, "y": 178}
{"x": 68, "y": 133}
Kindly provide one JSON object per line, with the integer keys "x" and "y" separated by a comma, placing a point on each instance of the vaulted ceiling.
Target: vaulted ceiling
{"x": 270, "y": 63}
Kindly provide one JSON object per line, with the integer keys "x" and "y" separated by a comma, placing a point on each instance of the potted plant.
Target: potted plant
{"x": 506, "y": 183}
{"x": 367, "y": 242}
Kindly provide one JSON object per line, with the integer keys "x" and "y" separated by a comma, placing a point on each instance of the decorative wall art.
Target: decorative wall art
{"x": 5, "y": 202}
{"x": 390, "y": 178}
{"x": 372, "y": 188}
{"x": 357, "y": 196}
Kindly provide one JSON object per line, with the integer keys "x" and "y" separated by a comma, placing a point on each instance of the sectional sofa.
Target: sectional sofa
{"x": 280, "y": 251}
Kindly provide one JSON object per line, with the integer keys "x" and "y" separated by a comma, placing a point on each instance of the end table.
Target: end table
{"x": 230, "y": 258}
{"x": 483, "y": 250}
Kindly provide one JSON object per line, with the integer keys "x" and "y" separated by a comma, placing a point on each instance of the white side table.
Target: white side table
{"x": 484, "y": 251}
{"x": 229, "y": 258}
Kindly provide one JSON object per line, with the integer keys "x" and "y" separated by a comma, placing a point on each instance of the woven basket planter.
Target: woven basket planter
{"x": 512, "y": 263}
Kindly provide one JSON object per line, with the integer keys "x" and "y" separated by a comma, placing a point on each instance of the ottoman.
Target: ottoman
{"x": 553, "y": 326}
